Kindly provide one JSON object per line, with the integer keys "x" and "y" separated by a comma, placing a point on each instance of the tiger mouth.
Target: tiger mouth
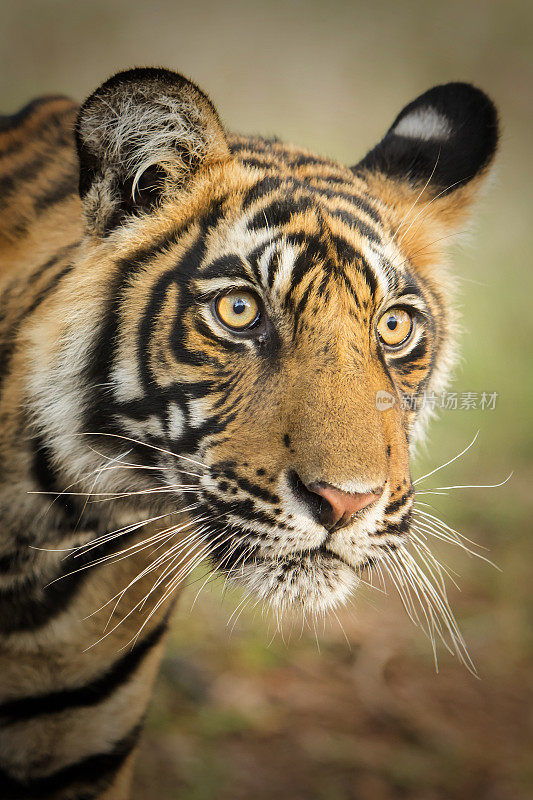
{"x": 320, "y": 557}
{"x": 316, "y": 554}
{"x": 316, "y": 581}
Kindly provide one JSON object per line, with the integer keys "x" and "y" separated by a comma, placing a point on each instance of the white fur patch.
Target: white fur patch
{"x": 126, "y": 383}
{"x": 151, "y": 426}
{"x": 176, "y": 421}
{"x": 424, "y": 123}
{"x": 288, "y": 254}
{"x": 315, "y": 584}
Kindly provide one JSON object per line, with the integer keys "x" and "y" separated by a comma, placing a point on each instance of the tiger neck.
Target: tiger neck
{"x": 71, "y": 702}
{"x": 74, "y": 689}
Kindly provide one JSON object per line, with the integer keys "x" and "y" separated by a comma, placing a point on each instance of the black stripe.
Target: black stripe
{"x": 262, "y": 162}
{"x": 352, "y": 198}
{"x": 204, "y": 330}
{"x": 419, "y": 351}
{"x": 347, "y": 280}
{"x": 47, "y": 477}
{"x": 88, "y": 695}
{"x": 345, "y": 250}
{"x": 61, "y": 188}
{"x": 245, "y": 509}
{"x": 300, "y": 307}
{"x": 250, "y": 488}
{"x": 314, "y": 252}
{"x": 261, "y": 144}
{"x": 356, "y": 223}
{"x": 395, "y": 528}
{"x": 279, "y": 212}
{"x": 229, "y": 266}
{"x": 260, "y": 189}
{"x": 255, "y": 255}
{"x": 302, "y": 159}
{"x": 10, "y": 121}
{"x": 27, "y": 171}
{"x": 9, "y": 336}
{"x": 397, "y": 504}
{"x": 88, "y": 777}
{"x": 100, "y": 415}
{"x": 29, "y": 607}
{"x": 368, "y": 275}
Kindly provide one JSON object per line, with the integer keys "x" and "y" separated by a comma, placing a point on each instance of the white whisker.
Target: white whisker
{"x": 145, "y": 444}
{"x": 442, "y": 466}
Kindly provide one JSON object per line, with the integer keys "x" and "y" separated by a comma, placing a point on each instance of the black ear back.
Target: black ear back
{"x": 445, "y": 138}
{"x": 142, "y": 131}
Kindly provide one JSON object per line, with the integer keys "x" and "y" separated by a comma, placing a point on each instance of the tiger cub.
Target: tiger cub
{"x": 205, "y": 340}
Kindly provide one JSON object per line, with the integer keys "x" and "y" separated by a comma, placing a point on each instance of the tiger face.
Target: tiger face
{"x": 258, "y": 315}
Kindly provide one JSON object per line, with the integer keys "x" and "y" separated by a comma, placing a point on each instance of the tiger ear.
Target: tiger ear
{"x": 142, "y": 133}
{"x": 435, "y": 155}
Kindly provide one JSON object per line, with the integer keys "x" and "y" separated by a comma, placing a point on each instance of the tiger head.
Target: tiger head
{"x": 254, "y": 317}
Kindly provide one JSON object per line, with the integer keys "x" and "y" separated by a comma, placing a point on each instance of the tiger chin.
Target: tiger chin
{"x": 196, "y": 333}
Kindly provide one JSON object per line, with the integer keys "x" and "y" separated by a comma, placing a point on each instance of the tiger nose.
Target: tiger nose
{"x": 340, "y": 507}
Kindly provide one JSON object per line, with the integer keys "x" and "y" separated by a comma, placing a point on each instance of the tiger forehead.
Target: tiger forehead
{"x": 308, "y": 248}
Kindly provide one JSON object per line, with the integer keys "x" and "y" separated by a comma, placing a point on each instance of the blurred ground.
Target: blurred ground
{"x": 234, "y": 716}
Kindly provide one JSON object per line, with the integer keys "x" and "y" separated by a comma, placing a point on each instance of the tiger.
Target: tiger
{"x": 205, "y": 342}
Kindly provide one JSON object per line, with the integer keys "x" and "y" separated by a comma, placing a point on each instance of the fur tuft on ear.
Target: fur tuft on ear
{"x": 444, "y": 138}
{"x": 142, "y": 132}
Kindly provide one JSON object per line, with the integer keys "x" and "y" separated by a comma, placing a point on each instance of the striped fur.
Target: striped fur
{"x": 124, "y": 400}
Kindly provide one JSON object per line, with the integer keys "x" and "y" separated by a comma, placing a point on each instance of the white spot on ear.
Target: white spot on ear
{"x": 424, "y": 123}
{"x": 175, "y": 421}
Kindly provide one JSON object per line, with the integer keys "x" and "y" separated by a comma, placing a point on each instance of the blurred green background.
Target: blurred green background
{"x": 237, "y": 712}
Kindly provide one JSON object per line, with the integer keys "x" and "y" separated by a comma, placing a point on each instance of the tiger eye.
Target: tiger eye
{"x": 238, "y": 310}
{"x": 395, "y": 327}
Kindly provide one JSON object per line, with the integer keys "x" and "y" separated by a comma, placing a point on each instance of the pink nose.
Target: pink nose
{"x": 341, "y": 506}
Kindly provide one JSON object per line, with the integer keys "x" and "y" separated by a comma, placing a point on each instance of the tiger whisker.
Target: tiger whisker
{"x": 173, "y": 584}
{"x": 432, "y": 491}
{"x": 441, "y": 605}
{"x": 471, "y": 486}
{"x": 184, "y": 572}
{"x": 210, "y": 545}
{"x": 342, "y": 628}
{"x": 171, "y": 559}
{"x": 452, "y": 531}
{"x": 431, "y": 624}
{"x": 242, "y": 561}
{"x": 424, "y": 207}
{"x": 128, "y": 466}
{"x": 405, "y": 596}
{"x": 417, "y": 197}
{"x": 247, "y": 599}
{"x": 435, "y": 568}
{"x": 132, "y": 610}
{"x": 58, "y": 495}
{"x": 143, "y": 573}
{"x": 115, "y": 495}
{"x": 442, "y": 466}
{"x": 113, "y": 558}
{"x": 177, "y": 489}
{"x": 145, "y": 444}
{"x": 443, "y": 536}
{"x": 128, "y": 529}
